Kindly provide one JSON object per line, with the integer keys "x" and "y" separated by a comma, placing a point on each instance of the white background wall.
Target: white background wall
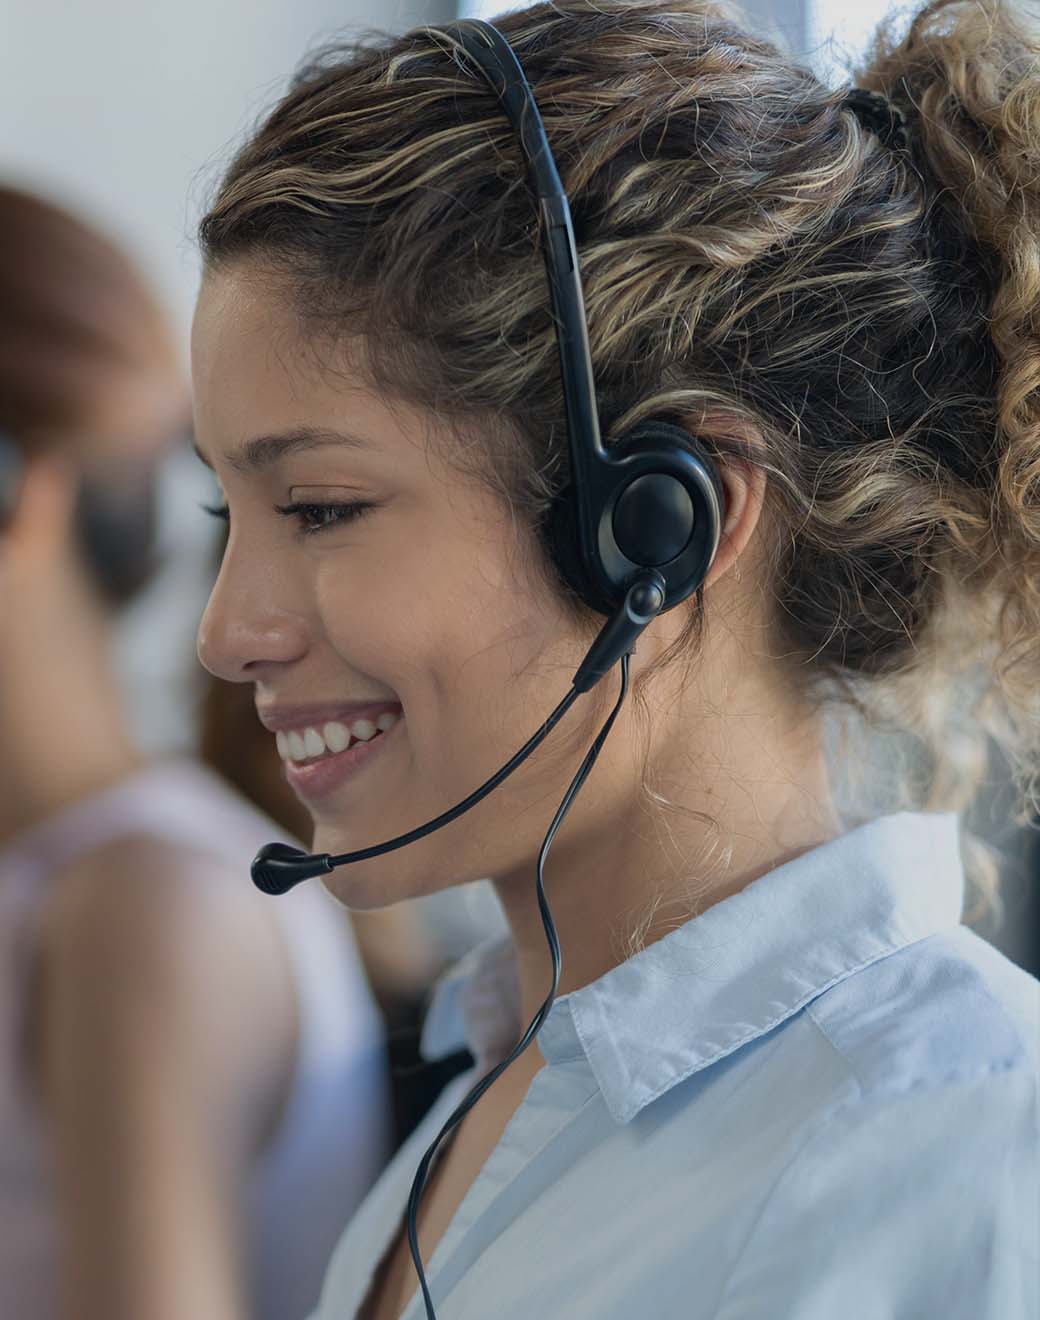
{"x": 128, "y": 107}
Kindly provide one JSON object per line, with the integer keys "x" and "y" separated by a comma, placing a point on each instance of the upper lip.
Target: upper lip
{"x": 302, "y": 717}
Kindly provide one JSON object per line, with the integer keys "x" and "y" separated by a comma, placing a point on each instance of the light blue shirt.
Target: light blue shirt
{"x": 817, "y": 1099}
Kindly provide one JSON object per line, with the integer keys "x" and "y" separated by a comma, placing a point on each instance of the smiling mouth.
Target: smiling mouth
{"x": 305, "y": 746}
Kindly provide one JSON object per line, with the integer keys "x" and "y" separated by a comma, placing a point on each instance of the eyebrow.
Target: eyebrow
{"x": 263, "y": 450}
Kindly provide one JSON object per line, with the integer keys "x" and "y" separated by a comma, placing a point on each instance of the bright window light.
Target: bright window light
{"x": 484, "y": 9}
{"x": 839, "y": 33}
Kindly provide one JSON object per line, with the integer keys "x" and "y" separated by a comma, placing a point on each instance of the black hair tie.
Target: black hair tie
{"x": 877, "y": 113}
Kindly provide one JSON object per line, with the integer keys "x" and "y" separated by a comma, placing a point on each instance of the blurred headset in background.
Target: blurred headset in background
{"x": 116, "y": 517}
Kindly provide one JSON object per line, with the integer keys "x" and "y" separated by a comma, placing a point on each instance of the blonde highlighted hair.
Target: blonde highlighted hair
{"x": 754, "y": 257}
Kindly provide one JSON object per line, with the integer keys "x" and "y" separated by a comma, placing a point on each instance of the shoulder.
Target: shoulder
{"x": 920, "y": 1203}
{"x": 944, "y": 1009}
{"x": 914, "y": 1193}
{"x": 164, "y": 947}
{"x": 143, "y": 896}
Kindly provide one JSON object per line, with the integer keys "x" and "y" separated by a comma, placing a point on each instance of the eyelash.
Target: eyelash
{"x": 344, "y": 513}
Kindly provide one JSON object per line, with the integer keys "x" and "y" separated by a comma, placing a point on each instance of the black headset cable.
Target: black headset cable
{"x": 467, "y": 1103}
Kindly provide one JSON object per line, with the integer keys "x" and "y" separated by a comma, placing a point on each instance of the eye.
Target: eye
{"x": 217, "y": 511}
{"x": 317, "y": 517}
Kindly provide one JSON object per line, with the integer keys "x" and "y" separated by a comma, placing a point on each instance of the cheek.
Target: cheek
{"x": 415, "y": 592}
{"x": 390, "y": 638}
{"x": 372, "y": 615}
{"x": 459, "y": 649}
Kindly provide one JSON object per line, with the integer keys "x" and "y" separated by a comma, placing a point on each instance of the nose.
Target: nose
{"x": 247, "y": 623}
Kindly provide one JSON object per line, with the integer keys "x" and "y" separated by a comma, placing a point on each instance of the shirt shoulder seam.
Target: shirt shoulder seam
{"x": 920, "y": 1080}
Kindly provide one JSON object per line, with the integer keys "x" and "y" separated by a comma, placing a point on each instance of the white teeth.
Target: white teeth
{"x": 313, "y": 742}
{"x": 307, "y": 744}
{"x": 337, "y": 736}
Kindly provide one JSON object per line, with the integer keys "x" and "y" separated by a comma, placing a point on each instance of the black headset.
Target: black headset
{"x": 650, "y": 509}
{"x": 634, "y": 532}
{"x": 116, "y": 520}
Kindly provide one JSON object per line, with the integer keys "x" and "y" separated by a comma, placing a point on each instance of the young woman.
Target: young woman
{"x": 179, "y": 1061}
{"x": 780, "y": 1077}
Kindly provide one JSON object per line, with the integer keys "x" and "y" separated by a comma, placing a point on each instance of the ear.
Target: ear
{"x": 41, "y": 507}
{"x": 744, "y": 483}
{"x": 745, "y": 487}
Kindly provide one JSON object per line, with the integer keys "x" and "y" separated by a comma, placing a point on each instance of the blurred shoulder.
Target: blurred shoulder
{"x": 160, "y": 967}
{"x": 150, "y": 908}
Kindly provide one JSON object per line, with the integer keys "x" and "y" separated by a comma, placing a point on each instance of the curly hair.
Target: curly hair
{"x": 754, "y": 258}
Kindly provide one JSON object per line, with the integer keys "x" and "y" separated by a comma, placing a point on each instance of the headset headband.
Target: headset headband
{"x": 503, "y": 71}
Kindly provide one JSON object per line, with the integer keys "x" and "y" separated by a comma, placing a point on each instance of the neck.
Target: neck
{"x": 65, "y": 732}
{"x": 753, "y": 794}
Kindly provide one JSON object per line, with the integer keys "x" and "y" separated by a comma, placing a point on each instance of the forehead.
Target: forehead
{"x": 245, "y": 344}
{"x": 255, "y": 375}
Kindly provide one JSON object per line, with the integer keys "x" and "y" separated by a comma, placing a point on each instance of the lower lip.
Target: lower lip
{"x": 323, "y": 777}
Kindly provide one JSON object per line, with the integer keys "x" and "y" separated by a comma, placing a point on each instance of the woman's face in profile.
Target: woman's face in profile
{"x": 362, "y": 575}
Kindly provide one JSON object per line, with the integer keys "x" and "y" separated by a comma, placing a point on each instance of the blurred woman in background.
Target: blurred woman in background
{"x": 180, "y": 1061}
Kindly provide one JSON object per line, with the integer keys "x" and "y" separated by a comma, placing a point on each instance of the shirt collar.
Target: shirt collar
{"x": 728, "y": 975}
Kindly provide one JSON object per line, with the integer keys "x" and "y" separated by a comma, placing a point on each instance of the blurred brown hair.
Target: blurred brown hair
{"x": 73, "y": 307}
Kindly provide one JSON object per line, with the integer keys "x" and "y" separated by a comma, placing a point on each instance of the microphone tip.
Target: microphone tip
{"x": 279, "y": 867}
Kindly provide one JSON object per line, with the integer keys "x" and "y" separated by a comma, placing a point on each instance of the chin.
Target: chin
{"x": 336, "y": 885}
{"x": 361, "y": 885}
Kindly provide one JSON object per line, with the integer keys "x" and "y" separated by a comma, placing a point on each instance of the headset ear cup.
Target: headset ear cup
{"x": 670, "y": 445}
{"x": 560, "y": 541}
{"x": 667, "y": 437}
{"x": 560, "y": 537}
{"x": 662, "y": 436}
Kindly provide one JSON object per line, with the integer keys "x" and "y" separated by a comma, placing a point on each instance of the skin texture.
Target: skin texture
{"x": 137, "y": 995}
{"x": 432, "y": 600}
